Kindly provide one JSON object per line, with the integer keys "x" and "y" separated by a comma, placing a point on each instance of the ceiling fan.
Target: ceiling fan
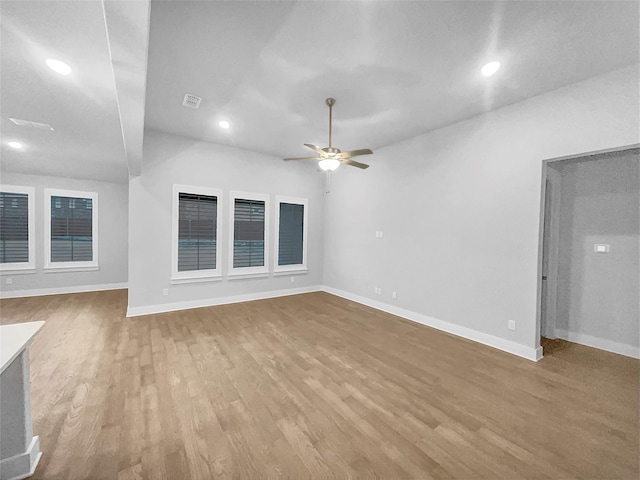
{"x": 330, "y": 157}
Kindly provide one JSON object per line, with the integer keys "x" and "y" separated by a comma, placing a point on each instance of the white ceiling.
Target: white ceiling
{"x": 396, "y": 69}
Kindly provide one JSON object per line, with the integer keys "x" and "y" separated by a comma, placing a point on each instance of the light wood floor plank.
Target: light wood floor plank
{"x": 312, "y": 386}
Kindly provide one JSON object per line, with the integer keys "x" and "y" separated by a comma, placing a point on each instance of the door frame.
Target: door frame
{"x": 552, "y": 283}
{"x": 552, "y": 238}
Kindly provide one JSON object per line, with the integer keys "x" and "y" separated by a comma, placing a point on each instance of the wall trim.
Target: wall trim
{"x": 530, "y": 353}
{"x": 62, "y": 290}
{"x": 211, "y": 302}
{"x": 599, "y": 343}
{"x": 508, "y": 346}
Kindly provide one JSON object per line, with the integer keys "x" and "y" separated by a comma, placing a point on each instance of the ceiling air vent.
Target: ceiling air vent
{"x": 27, "y": 123}
{"x": 191, "y": 101}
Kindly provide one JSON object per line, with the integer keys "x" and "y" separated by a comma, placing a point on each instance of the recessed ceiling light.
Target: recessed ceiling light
{"x": 223, "y": 124}
{"x": 16, "y": 145}
{"x": 490, "y": 68}
{"x": 58, "y": 66}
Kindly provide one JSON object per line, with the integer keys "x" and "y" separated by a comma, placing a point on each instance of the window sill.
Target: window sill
{"x": 249, "y": 275}
{"x": 52, "y": 269}
{"x": 182, "y": 281}
{"x": 294, "y": 271}
{"x": 16, "y": 271}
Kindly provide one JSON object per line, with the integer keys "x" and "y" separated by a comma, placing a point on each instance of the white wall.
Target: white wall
{"x": 169, "y": 160}
{"x": 460, "y": 207}
{"x": 599, "y": 294}
{"x": 112, "y": 239}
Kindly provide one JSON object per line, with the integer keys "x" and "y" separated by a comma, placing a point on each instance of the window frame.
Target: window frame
{"x": 70, "y": 266}
{"x": 299, "y": 267}
{"x": 30, "y": 265}
{"x": 239, "y": 272}
{"x": 193, "y": 276}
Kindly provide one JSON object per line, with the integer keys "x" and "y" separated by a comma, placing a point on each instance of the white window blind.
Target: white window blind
{"x": 291, "y": 234}
{"x": 197, "y": 232}
{"x": 14, "y": 227}
{"x": 248, "y": 233}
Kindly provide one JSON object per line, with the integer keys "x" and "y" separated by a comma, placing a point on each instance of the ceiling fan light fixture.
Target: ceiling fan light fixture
{"x": 329, "y": 164}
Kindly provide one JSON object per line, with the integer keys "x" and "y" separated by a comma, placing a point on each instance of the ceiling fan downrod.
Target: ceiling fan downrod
{"x": 330, "y": 102}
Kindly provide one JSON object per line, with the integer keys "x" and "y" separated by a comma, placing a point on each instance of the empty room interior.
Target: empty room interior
{"x": 317, "y": 239}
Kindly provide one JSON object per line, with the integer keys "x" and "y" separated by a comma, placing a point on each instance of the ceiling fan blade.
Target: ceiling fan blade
{"x": 353, "y": 163}
{"x": 355, "y": 153}
{"x": 316, "y": 149}
{"x": 301, "y": 158}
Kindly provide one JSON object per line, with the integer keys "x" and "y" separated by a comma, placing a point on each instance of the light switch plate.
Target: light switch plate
{"x": 601, "y": 248}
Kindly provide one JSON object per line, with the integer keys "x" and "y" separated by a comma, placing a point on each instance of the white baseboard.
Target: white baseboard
{"x": 530, "y": 353}
{"x": 211, "y": 302}
{"x": 61, "y": 290}
{"x": 600, "y": 343}
{"x": 22, "y": 465}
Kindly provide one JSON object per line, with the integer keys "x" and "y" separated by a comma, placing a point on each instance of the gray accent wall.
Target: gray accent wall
{"x": 599, "y": 293}
{"x": 170, "y": 160}
{"x": 113, "y": 213}
{"x": 459, "y": 207}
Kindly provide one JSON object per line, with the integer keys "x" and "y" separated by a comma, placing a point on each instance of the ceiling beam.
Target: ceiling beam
{"x": 127, "y": 24}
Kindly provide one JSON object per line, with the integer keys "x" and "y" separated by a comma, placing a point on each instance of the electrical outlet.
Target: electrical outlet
{"x": 512, "y": 324}
{"x": 293, "y": 279}
{"x": 394, "y": 295}
{"x": 9, "y": 281}
{"x": 165, "y": 291}
{"x": 378, "y": 291}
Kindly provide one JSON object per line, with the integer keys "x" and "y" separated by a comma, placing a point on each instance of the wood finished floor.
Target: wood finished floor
{"x": 312, "y": 386}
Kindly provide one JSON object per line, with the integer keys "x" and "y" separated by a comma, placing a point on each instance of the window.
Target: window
{"x": 71, "y": 229}
{"x": 249, "y": 235}
{"x": 291, "y": 237}
{"x": 195, "y": 252}
{"x": 17, "y": 220}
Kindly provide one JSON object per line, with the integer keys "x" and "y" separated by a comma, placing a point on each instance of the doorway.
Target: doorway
{"x": 585, "y": 292}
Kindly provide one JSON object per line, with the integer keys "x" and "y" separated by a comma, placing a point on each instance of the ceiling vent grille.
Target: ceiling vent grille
{"x": 27, "y": 123}
{"x": 191, "y": 101}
